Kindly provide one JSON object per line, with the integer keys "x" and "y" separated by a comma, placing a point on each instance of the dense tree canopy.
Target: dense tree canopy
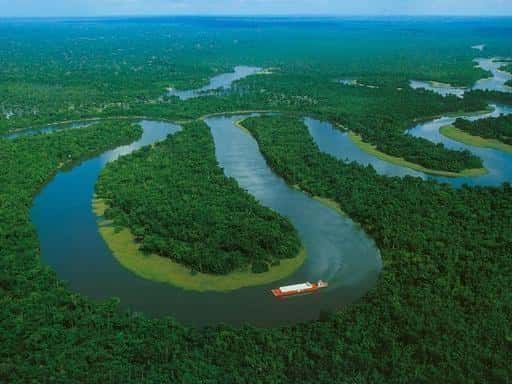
{"x": 446, "y": 255}
{"x": 441, "y": 296}
{"x": 61, "y": 71}
{"x": 442, "y": 309}
{"x": 179, "y": 204}
{"x": 499, "y": 128}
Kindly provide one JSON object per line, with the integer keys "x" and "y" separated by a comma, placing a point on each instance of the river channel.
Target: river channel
{"x": 338, "y": 250}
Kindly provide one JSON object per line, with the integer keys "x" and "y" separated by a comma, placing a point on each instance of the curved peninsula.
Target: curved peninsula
{"x": 495, "y": 157}
{"x": 173, "y": 216}
{"x": 492, "y": 132}
{"x": 338, "y": 250}
{"x": 374, "y": 151}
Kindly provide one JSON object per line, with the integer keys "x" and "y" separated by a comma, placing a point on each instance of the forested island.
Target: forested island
{"x": 491, "y": 132}
{"x": 178, "y": 204}
{"x": 499, "y": 128}
{"x": 441, "y": 309}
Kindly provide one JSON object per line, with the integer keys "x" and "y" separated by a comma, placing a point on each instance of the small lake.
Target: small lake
{"x": 338, "y": 250}
{"x": 220, "y": 82}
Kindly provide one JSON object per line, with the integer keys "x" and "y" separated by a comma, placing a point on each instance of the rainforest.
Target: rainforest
{"x": 142, "y": 233}
{"x": 499, "y": 128}
{"x": 191, "y": 211}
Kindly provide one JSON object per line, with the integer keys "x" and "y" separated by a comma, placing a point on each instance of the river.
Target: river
{"x": 223, "y": 81}
{"x": 498, "y": 163}
{"x": 338, "y": 250}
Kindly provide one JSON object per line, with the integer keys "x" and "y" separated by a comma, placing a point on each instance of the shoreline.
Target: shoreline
{"x": 454, "y": 133}
{"x": 127, "y": 117}
{"x": 164, "y": 270}
{"x": 371, "y": 149}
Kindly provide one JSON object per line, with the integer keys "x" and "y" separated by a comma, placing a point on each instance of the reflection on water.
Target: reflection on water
{"x": 479, "y": 47}
{"x": 356, "y": 83}
{"x": 72, "y": 246}
{"x": 153, "y": 131}
{"x": 498, "y": 163}
{"x": 223, "y": 81}
{"x": 337, "y": 143}
{"x": 338, "y": 251}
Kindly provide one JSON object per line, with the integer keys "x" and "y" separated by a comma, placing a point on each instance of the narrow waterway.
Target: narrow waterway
{"x": 498, "y": 163}
{"x": 496, "y": 82}
{"x": 338, "y": 250}
{"x": 337, "y": 143}
{"x": 223, "y": 81}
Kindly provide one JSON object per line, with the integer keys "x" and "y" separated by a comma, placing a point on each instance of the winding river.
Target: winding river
{"x": 223, "y": 81}
{"x": 338, "y": 250}
{"x": 498, "y": 163}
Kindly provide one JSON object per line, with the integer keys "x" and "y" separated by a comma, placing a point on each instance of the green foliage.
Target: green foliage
{"x": 442, "y": 294}
{"x": 59, "y": 71}
{"x": 179, "y": 204}
{"x": 422, "y": 151}
{"x": 508, "y": 68}
{"x": 442, "y": 307}
{"x": 259, "y": 267}
{"x": 446, "y": 256}
{"x": 499, "y": 128}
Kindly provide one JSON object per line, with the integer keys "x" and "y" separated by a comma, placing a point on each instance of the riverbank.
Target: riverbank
{"x": 164, "y": 270}
{"x": 372, "y": 150}
{"x": 134, "y": 117}
{"x": 324, "y": 200}
{"x": 456, "y": 134}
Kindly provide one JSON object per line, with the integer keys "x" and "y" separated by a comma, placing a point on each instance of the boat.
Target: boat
{"x": 297, "y": 289}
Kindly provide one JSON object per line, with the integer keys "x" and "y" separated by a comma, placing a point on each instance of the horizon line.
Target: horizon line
{"x": 259, "y": 15}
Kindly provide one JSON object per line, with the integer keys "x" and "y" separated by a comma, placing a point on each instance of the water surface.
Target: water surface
{"x": 498, "y": 163}
{"x": 338, "y": 144}
{"x": 496, "y": 82}
{"x": 439, "y": 88}
{"x": 220, "y": 82}
{"x": 50, "y": 128}
{"x": 498, "y": 79}
{"x": 338, "y": 250}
